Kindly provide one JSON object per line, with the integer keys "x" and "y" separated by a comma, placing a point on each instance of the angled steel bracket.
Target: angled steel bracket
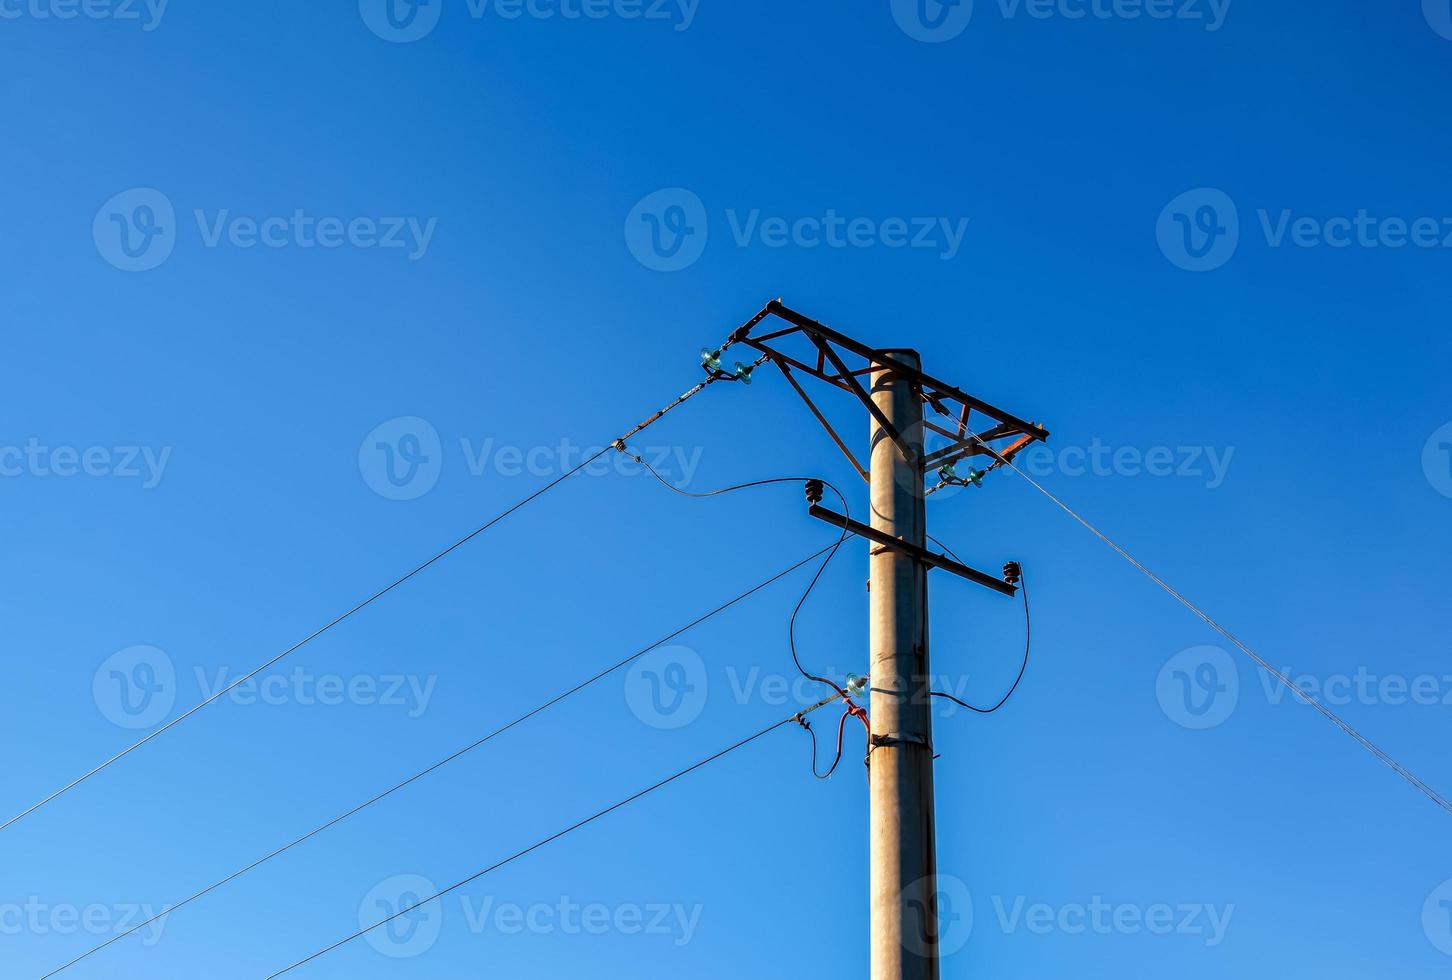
{"x": 1001, "y": 437}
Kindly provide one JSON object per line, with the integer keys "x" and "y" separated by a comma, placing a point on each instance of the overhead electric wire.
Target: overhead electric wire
{"x": 301, "y": 643}
{"x": 1331, "y": 716}
{"x": 446, "y": 760}
{"x": 554, "y": 837}
{"x": 792, "y": 623}
{"x": 1023, "y": 669}
{"x": 681, "y": 399}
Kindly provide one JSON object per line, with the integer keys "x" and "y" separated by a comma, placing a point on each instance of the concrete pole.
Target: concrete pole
{"x": 904, "y": 858}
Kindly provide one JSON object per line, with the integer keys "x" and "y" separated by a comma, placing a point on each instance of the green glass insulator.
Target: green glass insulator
{"x": 744, "y": 372}
{"x": 856, "y": 685}
{"x": 710, "y": 359}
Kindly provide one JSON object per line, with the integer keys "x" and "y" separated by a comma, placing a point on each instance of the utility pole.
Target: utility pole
{"x": 904, "y": 883}
{"x": 900, "y": 759}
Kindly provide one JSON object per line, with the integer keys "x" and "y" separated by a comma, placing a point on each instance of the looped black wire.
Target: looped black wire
{"x": 792, "y": 623}
{"x": 1027, "y": 638}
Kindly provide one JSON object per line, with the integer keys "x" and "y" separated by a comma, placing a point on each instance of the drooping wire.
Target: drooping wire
{"x": 853, "y": 711}
{"x": 680, "y": 400}
{"x": 446, "y": 760}
{"x": 303, "y": 642}
{"x": 1382, "y": 756}
{"x": 1023, "y": 669}
{"x": 554, "y": 837}
{"x": 792, "y": 623}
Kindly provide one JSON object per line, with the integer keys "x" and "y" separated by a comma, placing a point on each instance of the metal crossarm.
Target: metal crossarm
{"x": 1002, "y": 436}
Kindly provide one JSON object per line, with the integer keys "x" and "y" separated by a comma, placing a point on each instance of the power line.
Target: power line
{"x": 445, "y": 761}
{"x": 554, "y": 837}
{"x": 301, "y": 643}
{"x": 680, "y": 400}
{"x": 1023, "y": 668}
{"x": 1331, "y": 716}
{"x": 792, "y": 623}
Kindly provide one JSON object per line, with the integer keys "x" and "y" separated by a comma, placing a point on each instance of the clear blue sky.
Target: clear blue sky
{"x": 215, "y": 401}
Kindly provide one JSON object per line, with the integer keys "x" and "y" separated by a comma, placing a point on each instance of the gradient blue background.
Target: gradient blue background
{"x": 529, "y": 321}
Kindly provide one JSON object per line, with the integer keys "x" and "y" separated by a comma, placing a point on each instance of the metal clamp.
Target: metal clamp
{"x": 900, "y": 738}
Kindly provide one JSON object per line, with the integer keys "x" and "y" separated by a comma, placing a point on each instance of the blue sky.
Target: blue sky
{"x": 248, "y": 245}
